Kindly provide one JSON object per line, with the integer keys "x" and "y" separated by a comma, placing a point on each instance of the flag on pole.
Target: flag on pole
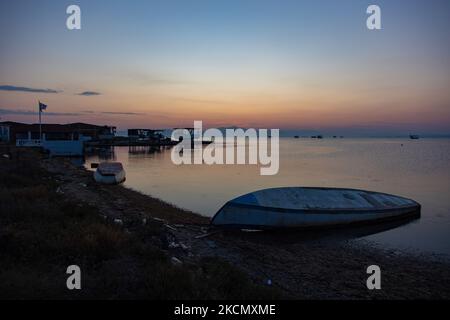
{"x": 42, "y": 106}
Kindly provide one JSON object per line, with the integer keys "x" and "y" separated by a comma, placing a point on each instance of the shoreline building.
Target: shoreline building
{"x": 58, "y": 139}
{"x": 145, "y": 135}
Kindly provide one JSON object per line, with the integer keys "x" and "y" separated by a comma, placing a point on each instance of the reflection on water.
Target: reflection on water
{"x": 417, "y": 169}
{"x": 290, "y": 236}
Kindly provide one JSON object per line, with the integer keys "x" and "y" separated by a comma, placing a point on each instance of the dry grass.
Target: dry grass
{"x": 42, "y": 232}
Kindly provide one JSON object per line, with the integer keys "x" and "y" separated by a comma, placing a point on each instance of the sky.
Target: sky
{"x": 293, "y": 65}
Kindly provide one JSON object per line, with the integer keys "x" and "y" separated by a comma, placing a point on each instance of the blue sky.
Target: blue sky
{"x": 309, "y": 65}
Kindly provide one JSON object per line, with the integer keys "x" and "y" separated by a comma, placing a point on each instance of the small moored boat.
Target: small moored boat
{"x": 296, "y": 207}
{"x": 110, "y": 173}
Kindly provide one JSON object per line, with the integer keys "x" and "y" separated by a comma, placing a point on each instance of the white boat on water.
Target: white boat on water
{"x": 297, "y": 207}
{"x": 110, "y": 173}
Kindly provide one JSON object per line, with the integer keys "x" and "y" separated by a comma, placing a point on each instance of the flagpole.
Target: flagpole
{"x": 40, "y": 123}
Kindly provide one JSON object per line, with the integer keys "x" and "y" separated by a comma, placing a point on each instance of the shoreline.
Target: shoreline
{"x": 296, "y": 267}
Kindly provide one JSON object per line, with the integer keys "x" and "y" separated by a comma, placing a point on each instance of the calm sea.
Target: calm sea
{"x": 417, "y": 169}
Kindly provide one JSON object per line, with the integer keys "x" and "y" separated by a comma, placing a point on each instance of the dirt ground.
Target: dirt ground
{"x": 323, "y": 265}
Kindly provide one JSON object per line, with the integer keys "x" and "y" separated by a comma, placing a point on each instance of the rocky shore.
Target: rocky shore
{"x": 256, "y": 265}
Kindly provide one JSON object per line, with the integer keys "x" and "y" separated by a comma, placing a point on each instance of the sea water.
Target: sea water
{"x": 417, "y": 169}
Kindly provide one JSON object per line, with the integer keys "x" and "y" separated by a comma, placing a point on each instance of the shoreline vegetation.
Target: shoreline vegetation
{"x": 132, "y": 246}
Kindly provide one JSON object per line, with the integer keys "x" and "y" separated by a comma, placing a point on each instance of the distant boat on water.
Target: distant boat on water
{"x": 110, "y": 173}
{"x": 414, "y": 137}
{"x": 297, "y": 207}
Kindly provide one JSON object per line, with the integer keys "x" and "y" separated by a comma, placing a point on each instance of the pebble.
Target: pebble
{"x": 173, "y": 245}
{"x": 170, "y": 227}
{"x": 176, "y": 261}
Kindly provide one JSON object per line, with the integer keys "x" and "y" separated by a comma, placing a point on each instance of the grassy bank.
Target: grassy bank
{"x": 133, "y": 246}
{"x": 44, "y": 230}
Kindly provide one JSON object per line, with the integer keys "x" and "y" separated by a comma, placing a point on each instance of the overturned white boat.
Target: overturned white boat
{"x": 296, "y": 207}
{"x": 109, "y": 173}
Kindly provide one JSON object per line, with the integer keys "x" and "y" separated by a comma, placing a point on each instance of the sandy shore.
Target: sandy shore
{"x": 313, "y": 266}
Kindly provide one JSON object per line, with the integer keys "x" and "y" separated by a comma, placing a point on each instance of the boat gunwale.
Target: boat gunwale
{"x": 110, "y": 168}
{"x": 323, "y": 211}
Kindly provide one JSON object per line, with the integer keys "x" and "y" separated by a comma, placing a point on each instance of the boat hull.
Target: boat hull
{"x": 109, "y": 179}
{"x": 244, "y": 213}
